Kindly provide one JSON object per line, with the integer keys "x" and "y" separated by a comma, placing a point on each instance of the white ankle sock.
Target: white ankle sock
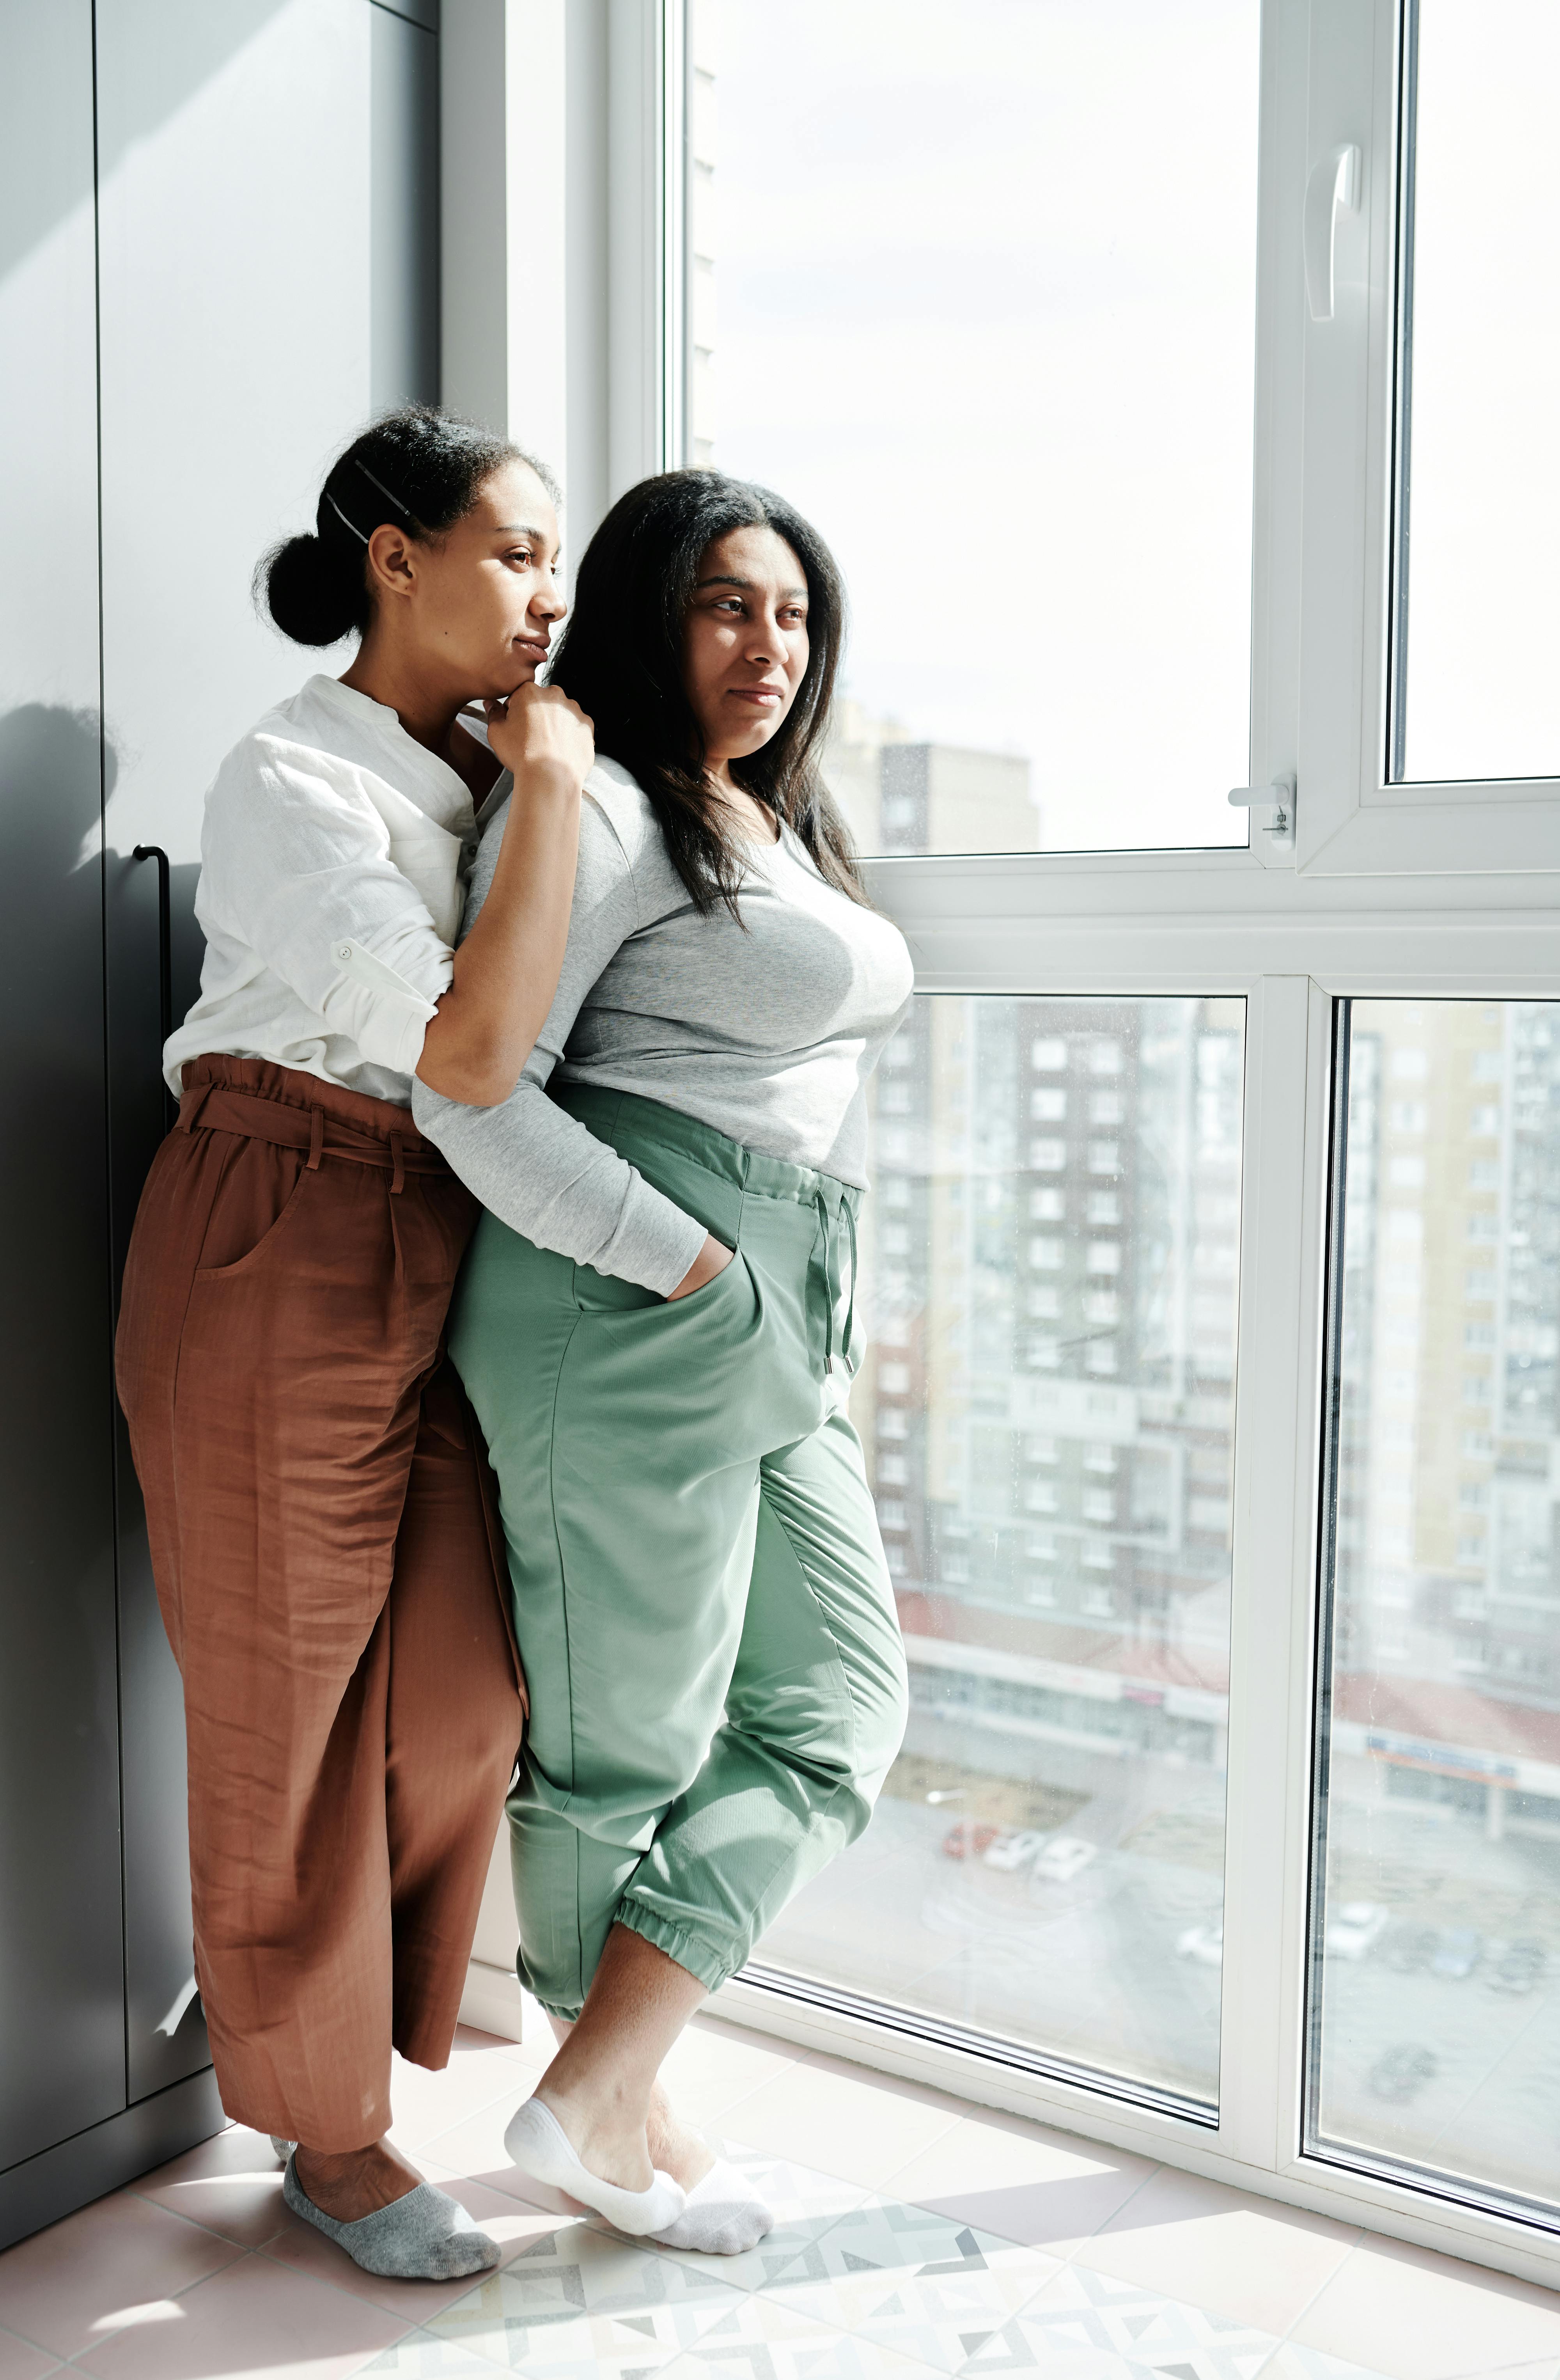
{"x": 724, "y": 2215}
{"x": 537, "y": 2143}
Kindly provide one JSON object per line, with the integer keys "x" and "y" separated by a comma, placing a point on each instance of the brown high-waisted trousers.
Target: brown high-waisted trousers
{"x": 332, "y": 1578}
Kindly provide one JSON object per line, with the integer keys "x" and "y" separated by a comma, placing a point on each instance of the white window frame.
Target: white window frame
{"x": 1416, "y": 891}
{"x": 1351, "y": 819}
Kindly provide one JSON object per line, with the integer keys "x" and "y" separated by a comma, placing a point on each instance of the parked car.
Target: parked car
{"x": 968, "y": 1839}
{"x": 1060, "y": 1859}
{"x": 1402, "y": 2072}
{"x": 1012, "y": 1847}
{"x": 1518, "y": 1968}
{"x": 1203, "y": 1943}
{"x": 1409, "y": 1947}
{"x": 1354, "y": 1927}
{"x": 1458, "y": 1951}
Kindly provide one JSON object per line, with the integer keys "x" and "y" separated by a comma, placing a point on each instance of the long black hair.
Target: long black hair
{"x": 416, "y": 466}
{"x": 621, "y": 657}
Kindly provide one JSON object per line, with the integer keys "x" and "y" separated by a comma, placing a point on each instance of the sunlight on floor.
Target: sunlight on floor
{"x": 915, "y": 2236}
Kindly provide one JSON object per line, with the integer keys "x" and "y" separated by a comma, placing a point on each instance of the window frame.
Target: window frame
{"x": 1257, "y": 2141}
{"x": 1433, "y": 892}
{"x": 1351, "y": 819}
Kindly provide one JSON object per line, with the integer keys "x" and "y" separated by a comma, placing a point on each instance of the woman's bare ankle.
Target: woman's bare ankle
{"x": 675, "y": 2147}
{"x": 609, "y": 2140}
{"x": 348, "y": 2184}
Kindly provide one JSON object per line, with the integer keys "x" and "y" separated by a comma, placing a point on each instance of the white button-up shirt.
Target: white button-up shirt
{"x": 333, "y": 857}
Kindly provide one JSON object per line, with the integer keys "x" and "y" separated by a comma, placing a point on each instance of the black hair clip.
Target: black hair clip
{"x": 405, "y": 511}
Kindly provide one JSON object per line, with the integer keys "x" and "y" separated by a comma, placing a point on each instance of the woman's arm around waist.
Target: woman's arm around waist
{"x": 532, "y": 1165}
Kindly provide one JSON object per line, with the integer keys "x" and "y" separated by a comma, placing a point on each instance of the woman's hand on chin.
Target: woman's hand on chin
{"x": 538, "y": 732}
{"x": 713, "y": 1257}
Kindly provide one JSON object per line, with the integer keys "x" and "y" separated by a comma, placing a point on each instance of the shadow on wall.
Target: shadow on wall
{"x": 57, "y": 776}
{"x": 55, "y": 772}
{"x": 58, "y": 1685}
{"x": 180, "y": 44}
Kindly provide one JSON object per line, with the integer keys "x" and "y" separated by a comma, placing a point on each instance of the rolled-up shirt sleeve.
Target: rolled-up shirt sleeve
{"x": 535, "y": 1167}
{"x": 307, "y": 873}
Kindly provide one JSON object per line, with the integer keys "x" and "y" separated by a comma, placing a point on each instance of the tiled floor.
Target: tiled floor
{"x": 916, "y": 2238}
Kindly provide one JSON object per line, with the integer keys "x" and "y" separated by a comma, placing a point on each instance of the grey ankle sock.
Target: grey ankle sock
{"x": 282, "y": 2148}
{"x": 423, "y": 2237}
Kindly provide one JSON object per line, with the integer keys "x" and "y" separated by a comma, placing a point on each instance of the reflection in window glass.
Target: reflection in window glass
{"x": 976, "y": 287}
{"x": 1047, "y": 1401}
{"x": 1434, "y": 2039}
{"x": 1479, "y": 605}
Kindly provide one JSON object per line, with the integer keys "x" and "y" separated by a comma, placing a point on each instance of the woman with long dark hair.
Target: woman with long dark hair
{"x": 655, "y": 1324}
{"x": 315, "y": 1487}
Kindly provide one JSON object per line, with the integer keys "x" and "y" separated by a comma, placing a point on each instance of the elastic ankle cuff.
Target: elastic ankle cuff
{"x": 701, "y": 1961}
{"x": 565, "y": 2015}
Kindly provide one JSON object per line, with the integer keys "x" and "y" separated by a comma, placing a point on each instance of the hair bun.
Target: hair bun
{"x": 313, "y": 595}
{"x": 416, "y": 466}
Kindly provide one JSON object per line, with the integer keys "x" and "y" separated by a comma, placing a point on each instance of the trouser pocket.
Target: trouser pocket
{"x": 260, "y": 1194}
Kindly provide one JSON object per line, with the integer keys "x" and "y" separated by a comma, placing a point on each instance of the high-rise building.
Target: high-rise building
{"x": 1050, "y": 1395}
{"x": 900, "y": 794}
{"x": 1448, "y": 1588}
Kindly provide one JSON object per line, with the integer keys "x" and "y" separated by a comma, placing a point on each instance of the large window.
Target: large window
{"x": 1174, "y": 383}
{"x": 976, "y": 288}
{"x": 1437, "y": 1946}
{"x": 1048, "y": 1405}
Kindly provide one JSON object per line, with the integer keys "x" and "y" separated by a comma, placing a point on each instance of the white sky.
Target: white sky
{"x": 985, "y": 311}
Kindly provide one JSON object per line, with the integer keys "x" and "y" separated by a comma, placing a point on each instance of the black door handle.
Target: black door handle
{"x": 164, "y": 959}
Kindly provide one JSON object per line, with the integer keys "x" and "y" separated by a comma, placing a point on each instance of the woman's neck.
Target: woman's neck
{"x": 746, "y": 808}
{"x": 427, "y": 715}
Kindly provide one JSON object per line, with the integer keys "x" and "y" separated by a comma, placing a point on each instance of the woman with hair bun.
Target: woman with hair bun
{"x": 316, "y": 1490}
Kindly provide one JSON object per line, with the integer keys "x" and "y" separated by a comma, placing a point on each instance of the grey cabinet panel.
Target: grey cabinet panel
{"x": 405, "y": 317}
{"x": 425, "y": 13}
{"x": 234, "y": 213}
{"x": 164, "y": 2033}
{"x": 218, "y": 252}
{"x": 234, "y": 238}
{"x": 268, "y": 222}
{"x": 61, "y": 2049}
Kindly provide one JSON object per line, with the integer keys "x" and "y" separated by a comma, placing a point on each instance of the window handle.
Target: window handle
{"x": 1278, "y": 797}
{"x": 164, "y": 961}
{"x": 1334, "y": 185}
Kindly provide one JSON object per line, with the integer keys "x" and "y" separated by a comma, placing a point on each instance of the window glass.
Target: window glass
{"x": 1046, "y": 1402}
{"x": 974, "y": 287}
{"x": 1479, "y": 500}
{"x": 1437, "y": 1925}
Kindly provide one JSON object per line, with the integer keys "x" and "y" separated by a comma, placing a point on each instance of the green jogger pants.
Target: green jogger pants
{"x": 717, "y": 1679}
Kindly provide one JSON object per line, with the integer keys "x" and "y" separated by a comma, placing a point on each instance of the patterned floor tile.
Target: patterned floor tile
{"x": 920, "y": 2284}
{"x": 580, "y": 2301}
{"x": 420, "y": 2356}
{"x": 1086, "y": 2323}
{"x": 805, "y": 2205}
{"x": 763, "y": 2339}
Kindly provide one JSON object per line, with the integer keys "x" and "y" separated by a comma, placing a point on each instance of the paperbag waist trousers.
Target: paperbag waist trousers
{"x": 330, "y": 1573}
{"x": 701, "y": 1596}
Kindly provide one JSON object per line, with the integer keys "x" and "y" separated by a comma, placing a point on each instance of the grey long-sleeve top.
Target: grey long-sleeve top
{"x": 766, "y": 1034}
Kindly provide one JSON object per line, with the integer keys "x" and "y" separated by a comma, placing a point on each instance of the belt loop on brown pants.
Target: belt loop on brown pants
{"x": 397, "y": 1179}
{"x": 316, "y": 1137}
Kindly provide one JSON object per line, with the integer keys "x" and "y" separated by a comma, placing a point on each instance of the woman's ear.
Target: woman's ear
{"x": 392, "y": 562}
